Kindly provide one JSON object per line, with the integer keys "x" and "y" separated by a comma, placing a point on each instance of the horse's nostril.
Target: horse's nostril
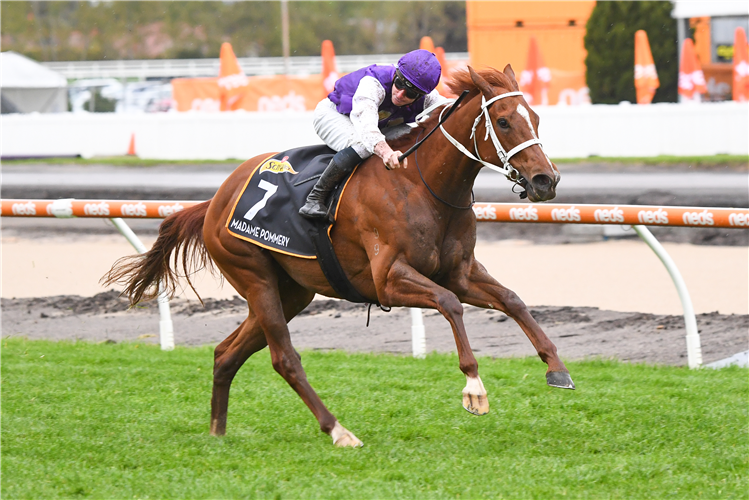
{"x": 542, "y": 182}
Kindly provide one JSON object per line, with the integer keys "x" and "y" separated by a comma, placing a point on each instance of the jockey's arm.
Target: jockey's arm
{"x": 364, "y": 116}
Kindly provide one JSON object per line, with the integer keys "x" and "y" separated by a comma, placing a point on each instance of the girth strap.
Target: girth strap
{"x": 330, "y": 265}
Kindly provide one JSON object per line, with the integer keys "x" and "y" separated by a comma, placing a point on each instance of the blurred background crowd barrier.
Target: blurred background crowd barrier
{"x": 565, "y": 55}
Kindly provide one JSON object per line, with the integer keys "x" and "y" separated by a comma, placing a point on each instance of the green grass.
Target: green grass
{"x": 664, "y": 160}
{"x": 131, "y": 161}
{"x": 130, "y": 421}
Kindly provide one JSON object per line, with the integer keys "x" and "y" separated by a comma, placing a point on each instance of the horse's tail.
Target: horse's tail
{"x": 181, "y": 232}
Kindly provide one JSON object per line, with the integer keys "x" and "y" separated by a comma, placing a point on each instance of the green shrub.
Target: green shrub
{"x": 610, "y": 42}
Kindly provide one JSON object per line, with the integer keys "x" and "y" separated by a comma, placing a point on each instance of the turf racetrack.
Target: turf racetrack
{"x": 128, "y": 420}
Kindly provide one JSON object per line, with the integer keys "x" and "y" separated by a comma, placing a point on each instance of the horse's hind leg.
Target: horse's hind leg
{"x": 274, "y": 299}
{"x": 229, "y": 357}
{"x": 246, "y": 340}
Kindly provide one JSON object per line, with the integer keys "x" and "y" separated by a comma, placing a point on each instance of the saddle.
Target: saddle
{"x": 266, "y": 212}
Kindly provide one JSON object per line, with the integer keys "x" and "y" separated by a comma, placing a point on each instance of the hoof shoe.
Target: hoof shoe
{"x": 561, "y": 380}
{"x": 476, "y": 404}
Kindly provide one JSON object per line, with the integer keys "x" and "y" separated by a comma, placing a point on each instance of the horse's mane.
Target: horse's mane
{"x": 460, "y": 80}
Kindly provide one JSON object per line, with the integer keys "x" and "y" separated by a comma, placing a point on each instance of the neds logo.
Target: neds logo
{"x": 96, "y": 208}
{"x": 571, "y": 214}
{"x": 529, "y": 213}
{"x": 485, "y": 213}
{"x": 167, "y": 210}
{"x": 703, "y": 218}
{"x": 134, "y": 210}
{"x": 28, "y": 208}
{"x": 616, "y": 214}
{"x": 659, "y": 216}
{"x": 733, "y": 219}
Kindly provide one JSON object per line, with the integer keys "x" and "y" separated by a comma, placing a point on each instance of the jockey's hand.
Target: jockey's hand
{"x": 389, "y": 157}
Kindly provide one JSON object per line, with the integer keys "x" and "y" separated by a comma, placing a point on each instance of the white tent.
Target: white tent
{"x": 27, "y": 86}
{"x": 710, "y": 8}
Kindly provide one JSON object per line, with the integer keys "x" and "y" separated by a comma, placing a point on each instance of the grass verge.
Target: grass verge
{"x": 664, "y": 160}
{"x": 128, "y": 420}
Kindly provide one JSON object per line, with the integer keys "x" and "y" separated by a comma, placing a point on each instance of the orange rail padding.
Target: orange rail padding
{"x": 731, "y": 218}
{"x": 133, "y": 209}
{"x": 736, "y": 218}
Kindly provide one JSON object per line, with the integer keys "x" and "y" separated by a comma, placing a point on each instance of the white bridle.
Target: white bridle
{"x": 506, "y": 169}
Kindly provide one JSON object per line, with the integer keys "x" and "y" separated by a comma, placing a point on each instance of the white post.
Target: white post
{"x": 418, "y": 334}
{"x": 166, "y": 328}
{"x": 694, "y": 350}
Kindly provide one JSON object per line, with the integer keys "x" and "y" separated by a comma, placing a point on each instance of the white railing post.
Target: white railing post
{"x": 418, "y": 334}
{"x": 166, "y": 327}
{"x": 694, "y": 350}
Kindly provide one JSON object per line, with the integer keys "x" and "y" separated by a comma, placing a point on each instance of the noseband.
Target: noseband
{"x": 506, "y": 169}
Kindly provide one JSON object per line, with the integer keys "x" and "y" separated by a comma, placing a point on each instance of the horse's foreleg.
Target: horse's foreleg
{"x": 402, "y": 285}
{"x": 478, "y": 288}
{"x": 229, "y": 356}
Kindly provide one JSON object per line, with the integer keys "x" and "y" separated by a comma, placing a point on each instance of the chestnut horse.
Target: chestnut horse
{"x": 405, "y": 238}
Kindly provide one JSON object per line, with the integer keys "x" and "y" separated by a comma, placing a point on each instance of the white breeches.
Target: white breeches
{"x": 336, "y": 130}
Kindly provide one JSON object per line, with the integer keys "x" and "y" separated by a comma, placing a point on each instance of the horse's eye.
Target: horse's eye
{"x": 502, "y": 122}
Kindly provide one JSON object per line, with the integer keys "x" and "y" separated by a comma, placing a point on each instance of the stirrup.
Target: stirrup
{"x": 314, "y": 210}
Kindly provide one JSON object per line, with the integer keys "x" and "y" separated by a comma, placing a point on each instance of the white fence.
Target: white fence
{"x": 252, "y": 66}
{"x": 566, "y": 131}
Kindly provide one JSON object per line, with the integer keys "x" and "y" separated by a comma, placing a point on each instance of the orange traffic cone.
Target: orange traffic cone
{"x": 329, "y": 69}
{"x": 740, "y": 66}
{"x": 426, "y": 44}
{"x": 536, "y": 77}
{"x": 646, "y": 78}
{"x": 131, "y": 147}
{"x": 691, "y": 77}
{"x": 232, "y": 81}
{"x": 442, "y": 88}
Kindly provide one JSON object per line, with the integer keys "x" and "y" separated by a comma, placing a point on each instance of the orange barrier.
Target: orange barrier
{"x": 134, "y": 209}
{"x": 614, "y": 214}
{"x": 730, "y": 218}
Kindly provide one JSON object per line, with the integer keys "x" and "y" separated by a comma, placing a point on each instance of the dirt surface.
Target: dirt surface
{"x": 578, "y": 332}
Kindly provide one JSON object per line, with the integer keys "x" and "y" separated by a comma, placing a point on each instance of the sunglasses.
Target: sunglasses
{"x": 401, "y": 83}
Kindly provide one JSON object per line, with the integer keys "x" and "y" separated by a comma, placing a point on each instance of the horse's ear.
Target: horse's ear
{"x": 482, "y": 84}
{"x": 511, "y": 74}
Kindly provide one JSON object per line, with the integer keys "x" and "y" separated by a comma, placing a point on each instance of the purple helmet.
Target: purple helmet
{"x": 421, "y": 68}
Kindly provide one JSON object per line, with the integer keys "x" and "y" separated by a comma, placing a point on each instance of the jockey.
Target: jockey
{"x": 363, "y": 103}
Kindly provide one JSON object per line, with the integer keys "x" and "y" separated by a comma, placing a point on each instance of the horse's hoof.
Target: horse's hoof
{"x": 561, "y": 380}
{"x": 344, "y": 438}
{"x": 476, "y": 404}
{"x": 474, "y": 396}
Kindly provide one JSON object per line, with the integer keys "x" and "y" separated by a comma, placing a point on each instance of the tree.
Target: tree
{"x": 610, "y": 42}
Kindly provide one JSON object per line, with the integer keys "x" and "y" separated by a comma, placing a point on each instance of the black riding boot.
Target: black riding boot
{"x": 341, "y": 165}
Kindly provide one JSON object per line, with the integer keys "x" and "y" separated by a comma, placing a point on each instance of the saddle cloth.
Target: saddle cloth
{"x": 266, "y": 212}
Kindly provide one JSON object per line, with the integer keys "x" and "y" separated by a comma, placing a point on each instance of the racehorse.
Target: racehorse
{"x": 405, "y": 238}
